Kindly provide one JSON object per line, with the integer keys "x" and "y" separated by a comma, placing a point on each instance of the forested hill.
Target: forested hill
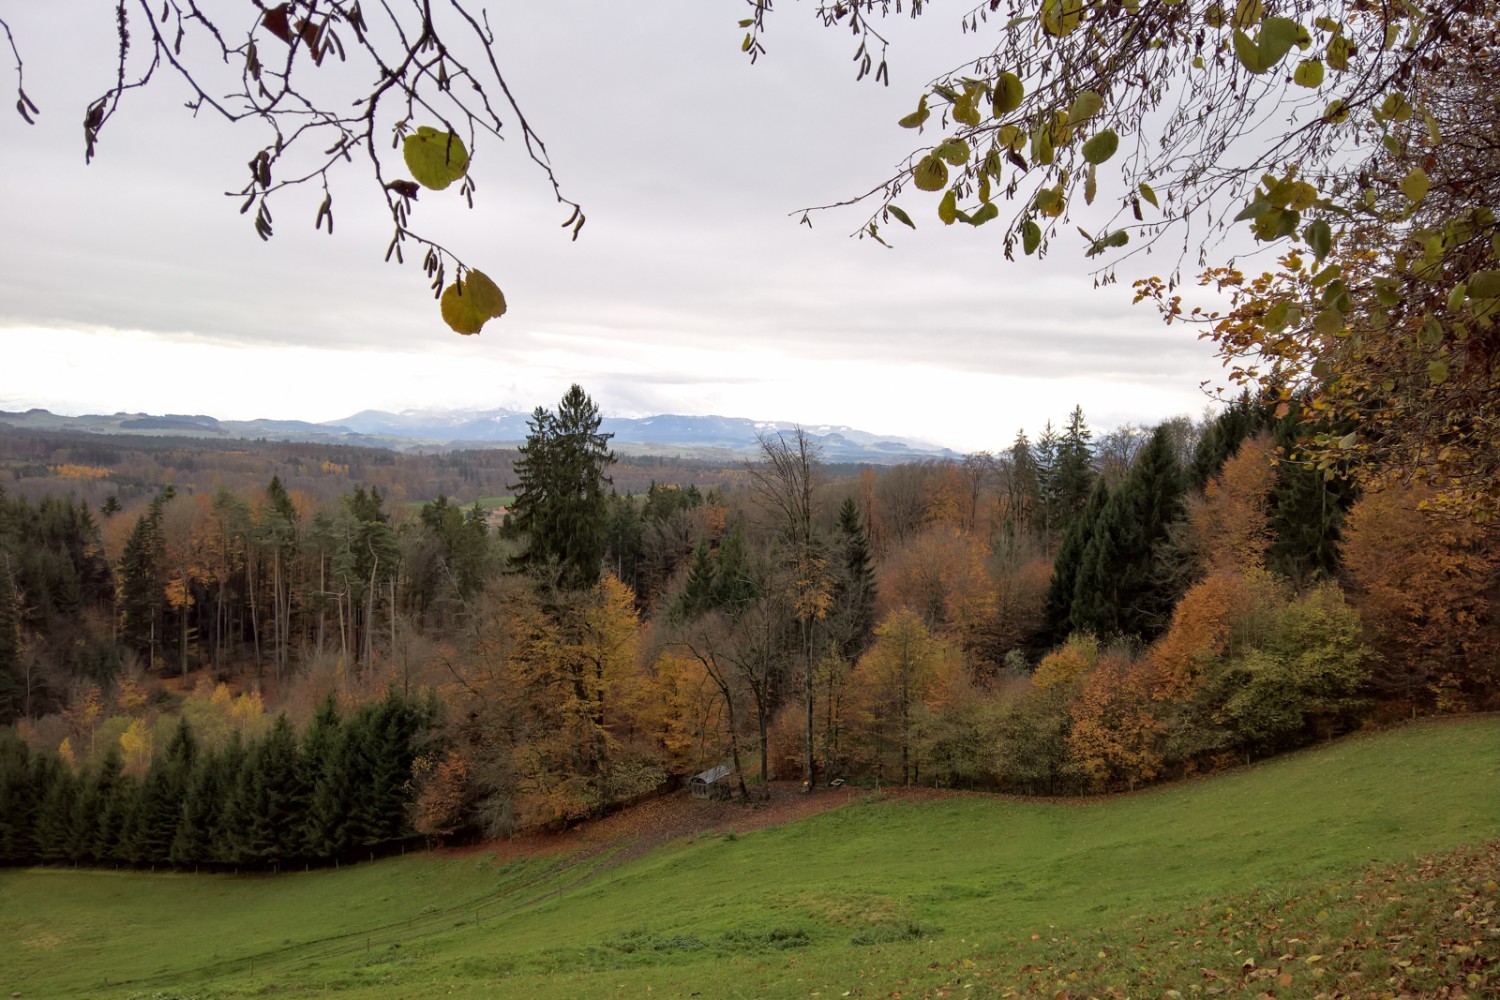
{"x": 711, "y": 438}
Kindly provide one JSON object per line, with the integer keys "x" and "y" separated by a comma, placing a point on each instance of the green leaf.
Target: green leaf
{"x": 1149, "y": 195}
{"x": 917, "y": 117}
{"x": 1248, "y": 52}
{"x": 1396, "y": 107}
{"x": 1090, "y": 186}
{"x": 1434, "y": 134}
{"x": 435, "y": 159}
{"x": 1338, "y": 53}
{"x": 1437, "y": 371}
{"x": 1277, "y": 36}
{"x": 1415, "y": 185}
{"x": 955, "y": 151}
{"x": 1319, "y": 237}
{"x": 1031, "y": 237}
{"x": 948, "y": 208}
{"x": 1101, "y": 147}
{"x": 964, "y": 111}
{"x": 900, "y": 216}
{"x": 986, "y": 212}
{"x": 1277, "y": 315}
{"x": 1309, "y": 74}
{"x": 930, "y": 173}
{"x": 1328, "y": 322}
{"x": 1336, "y": 113}
{"x": 1349, "y": 440}
{"x": 1008, "y": 94}
{"x": 468, "y": 304}
{"x": 1484, "y": 285}
{"x": 1085, "y": 106}
{"x": 1248, "y": 13}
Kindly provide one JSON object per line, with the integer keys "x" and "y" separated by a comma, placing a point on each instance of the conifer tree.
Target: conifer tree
{"x": 1058, "y": 610}
{"x": 698, "y": 590}
{"x": 18, "y": 801}
{"x": 323, "y": 775}
{"x": 854, "y": 584}
{"x": 1116, "y": 591}
{"x": 12, "y": 678}
{"x": 1307, "y": 510}
{"x": 1022, "y": 490}
{"x": 1044, "y": 461}
{"x": 276, "y": 799}
{"x": 560, "y": 503}
{"x": 1073, "y": 474}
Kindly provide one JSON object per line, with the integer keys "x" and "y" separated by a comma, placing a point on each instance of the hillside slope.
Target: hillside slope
{"x": 878, "y": 896}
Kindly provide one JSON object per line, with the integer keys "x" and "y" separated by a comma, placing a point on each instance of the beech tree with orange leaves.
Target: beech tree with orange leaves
{"x": 1424, "y": 583}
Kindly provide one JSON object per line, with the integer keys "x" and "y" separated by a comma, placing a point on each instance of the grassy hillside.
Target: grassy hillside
{"x": 881, "y": 895}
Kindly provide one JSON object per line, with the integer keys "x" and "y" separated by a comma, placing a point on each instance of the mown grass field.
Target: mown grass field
{"x": 1283, "y": 865}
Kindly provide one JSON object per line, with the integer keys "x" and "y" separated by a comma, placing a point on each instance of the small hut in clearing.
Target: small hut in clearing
{"x": 713, "y": 783}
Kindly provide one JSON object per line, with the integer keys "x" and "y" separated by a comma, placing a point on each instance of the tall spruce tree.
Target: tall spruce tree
{"x": 1058, "y": 610}
{"x": 561, "y": 507}
{"x": 1044, "y": 462}
{"x": 142, "y": 576}
{"x": 1307, "y": 509}
{"x": 1116, "y": 592}
{"x": 1022, "y": 488}
{"x": 854, "y": 590}
{"x": 1073, "y": 473}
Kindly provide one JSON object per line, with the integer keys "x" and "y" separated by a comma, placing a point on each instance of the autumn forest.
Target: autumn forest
{"x": 254, "y": 655}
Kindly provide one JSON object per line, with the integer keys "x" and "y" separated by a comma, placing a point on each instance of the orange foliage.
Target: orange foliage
{"x": 69, "y": 471}
{"x": 1230, "y": 526}
{"x": 1200, "y": 630}
{"x": 1116, "y": 734}
{"x": 1423, "y": 585}
{"x": 440, "y": 796}
{"x": 940, "y": 575}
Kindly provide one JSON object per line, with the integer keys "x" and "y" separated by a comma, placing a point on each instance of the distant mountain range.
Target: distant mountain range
{"x": 664, "y": 434}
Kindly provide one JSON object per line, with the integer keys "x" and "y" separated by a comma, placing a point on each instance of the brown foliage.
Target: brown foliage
{"x": 1424, "y": 585}
{"x": 1229, "y": 526}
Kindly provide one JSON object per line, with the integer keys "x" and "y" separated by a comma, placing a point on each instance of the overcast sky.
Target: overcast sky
{"x": 134, "y": 284}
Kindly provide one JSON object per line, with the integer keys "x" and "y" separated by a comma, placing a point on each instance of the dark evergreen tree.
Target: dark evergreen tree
{"x": 853, "y": 616}
{"x": 230, "y": 833}
{"x": 322, "y": 766}
{"x": 142, "y": 582}
{"x": 192, "y": 841}
{"x": 18, "y": 801}
{"x": 1058, "y": 610}
{"x": 1044, "y": 462}
{"x": 275, "y": 800}
{"x": 56, "y": 789}
{"x": 698, "y": 593}
{"x": 1241, "y": 419}
{"x": 1073, "y": 473}
{"x": 12, "y": 675}
{"x": 115, "y": 794}
{"x": 1116, "y": 592}
{"x": 159, "y": 805}
{"x": 1307, "y": 510}
{"x": 1022, "y": 488}
{"x": 560, "y": 503}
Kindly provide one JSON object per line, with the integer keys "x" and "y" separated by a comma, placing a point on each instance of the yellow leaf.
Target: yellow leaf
{"x": 468, "y": 306}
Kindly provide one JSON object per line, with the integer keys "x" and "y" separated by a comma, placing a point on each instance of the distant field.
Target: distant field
{"x": 964, "y": 896}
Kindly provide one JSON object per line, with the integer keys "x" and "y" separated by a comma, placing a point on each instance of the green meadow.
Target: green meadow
{"x": 966, "y": 895}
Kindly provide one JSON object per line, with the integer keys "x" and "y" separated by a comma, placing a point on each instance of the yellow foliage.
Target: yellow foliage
{"x": 1066, "y": 664}
{"x": 135, "y": 746}
{"x": 65, "y": 751}
{"x": 68, "y": 471}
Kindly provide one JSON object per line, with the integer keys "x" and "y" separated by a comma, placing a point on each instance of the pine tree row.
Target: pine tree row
{"x": 342, "y": 792}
